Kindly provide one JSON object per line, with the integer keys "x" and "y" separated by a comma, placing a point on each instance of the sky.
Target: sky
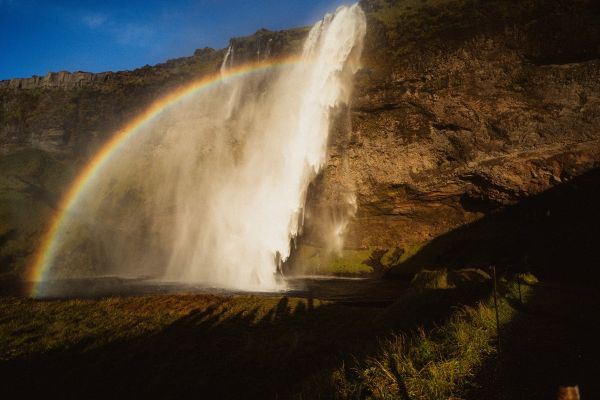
{"x": 37, "y": 36}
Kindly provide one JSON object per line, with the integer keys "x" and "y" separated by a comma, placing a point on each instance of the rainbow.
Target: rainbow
{"x": 42, "y": 259}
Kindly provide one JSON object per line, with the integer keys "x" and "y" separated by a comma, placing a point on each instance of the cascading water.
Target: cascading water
{"x": 213, "y": 189}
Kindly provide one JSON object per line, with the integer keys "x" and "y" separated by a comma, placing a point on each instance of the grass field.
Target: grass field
{"x": 424, "y": 344}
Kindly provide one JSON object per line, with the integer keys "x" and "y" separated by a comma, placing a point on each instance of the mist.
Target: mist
{"x": 213, "y": 189}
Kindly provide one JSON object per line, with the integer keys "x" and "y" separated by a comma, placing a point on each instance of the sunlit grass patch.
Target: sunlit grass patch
{"x": 28, "y": 326}
{"x": 316, "y": 260}
{"x": 430, "y": 365}
{"x": 433, "y": 364}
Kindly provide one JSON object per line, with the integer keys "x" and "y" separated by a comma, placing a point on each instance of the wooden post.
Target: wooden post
{"x": 519, "y": 286}
{"x": 493, "y": 267}
{"x": 568, "y": 393}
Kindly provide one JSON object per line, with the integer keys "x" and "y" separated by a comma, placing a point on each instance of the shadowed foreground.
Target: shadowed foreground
{"x": 197, "y": 344}
{"x": 423, "y": 344}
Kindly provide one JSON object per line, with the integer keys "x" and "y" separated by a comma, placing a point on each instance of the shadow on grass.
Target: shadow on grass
{"x": 552, "y": 339}
{"x": 551, "y": 342}
{"x": 239, "y": 347}
{"x": 555, "y": 235}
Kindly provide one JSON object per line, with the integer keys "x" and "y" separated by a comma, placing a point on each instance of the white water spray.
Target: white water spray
{"x": 213, "y": 190}
{"x": 227, "y": 60}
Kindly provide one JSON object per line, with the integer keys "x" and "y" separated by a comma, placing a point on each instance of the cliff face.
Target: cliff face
{"x": 71, "y": 113}
{"x": 463, "y": 108}
{"x": 63, "y": 79}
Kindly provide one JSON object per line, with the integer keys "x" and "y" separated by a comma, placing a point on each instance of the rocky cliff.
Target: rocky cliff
{"x": 463, "y": 110}
{"x": 71, "y": 113}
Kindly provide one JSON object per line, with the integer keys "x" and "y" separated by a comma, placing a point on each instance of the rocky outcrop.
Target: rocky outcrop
{"x": 63, "y": 80}
{"x": 265, "y": 44}
{"x": 70, "y": 113}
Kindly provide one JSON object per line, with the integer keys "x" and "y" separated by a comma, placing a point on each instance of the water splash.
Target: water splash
{"x": 214, "y": 189}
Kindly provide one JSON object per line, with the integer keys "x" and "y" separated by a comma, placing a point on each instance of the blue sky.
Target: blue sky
{"x": 41, "y": 36}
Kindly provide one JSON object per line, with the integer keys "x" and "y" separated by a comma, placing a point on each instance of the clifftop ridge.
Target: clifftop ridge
{"x": 262, "y": 44}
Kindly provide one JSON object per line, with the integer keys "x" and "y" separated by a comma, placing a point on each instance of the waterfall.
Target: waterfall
{"x": 224, "y": 64}
{"x": 213, "y": 189}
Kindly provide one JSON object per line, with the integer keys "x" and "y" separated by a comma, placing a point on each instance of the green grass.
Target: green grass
{"x": 316, "y": 260}
{"x": 29, "y": 327}
{"x": 427, "y": 344}
{"x": 409, "y": 251}
{"x": 352, "y": 262}
{"x": 433, "y": 364}
{"x": 445, "y": 361}
{"x": 240, "y": 346}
